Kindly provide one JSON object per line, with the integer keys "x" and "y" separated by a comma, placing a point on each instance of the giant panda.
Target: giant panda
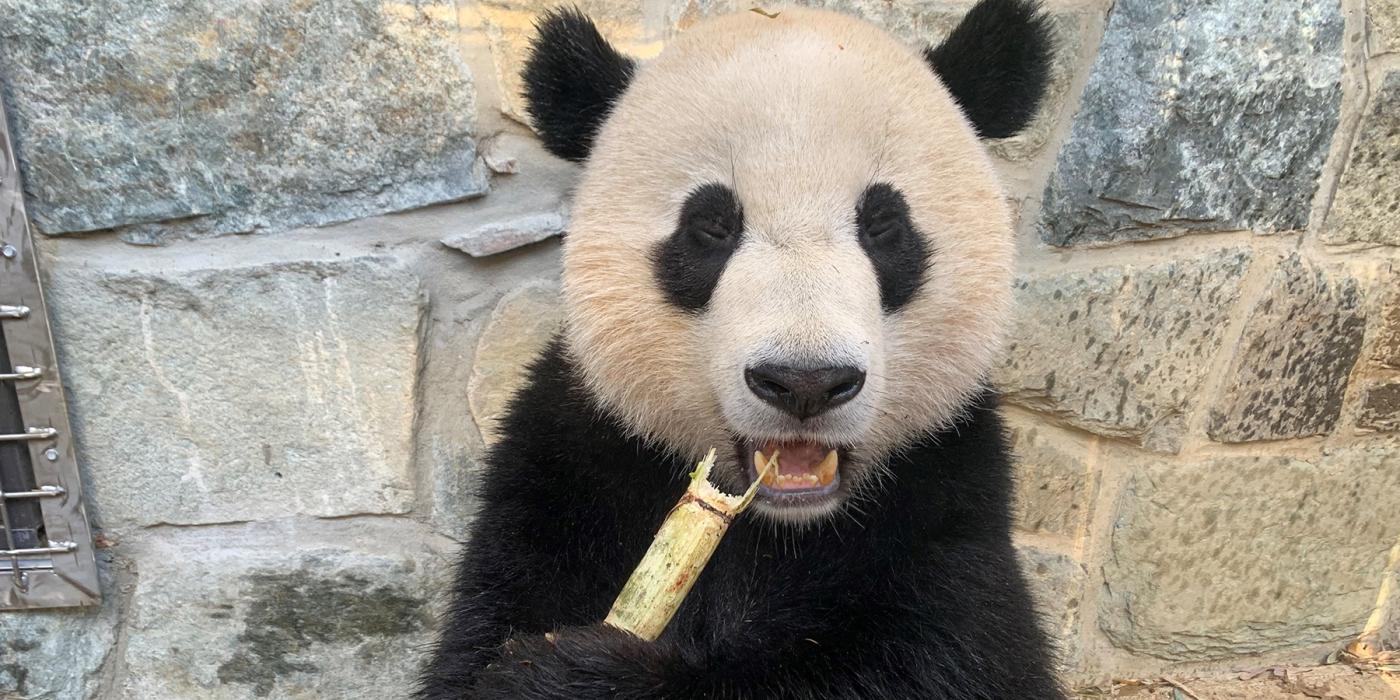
{"x": 787, "y": 235}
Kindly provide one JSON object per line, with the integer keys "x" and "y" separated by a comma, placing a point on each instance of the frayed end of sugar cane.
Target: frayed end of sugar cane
{"x": 679, "y": 552}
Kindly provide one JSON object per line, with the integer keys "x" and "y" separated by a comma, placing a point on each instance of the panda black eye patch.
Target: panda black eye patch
{"x": 894, "y": 246}
{"x": 688, "y": 264}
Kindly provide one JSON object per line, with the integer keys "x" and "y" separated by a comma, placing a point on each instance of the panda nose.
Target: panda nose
{"x": 804, "y": 392}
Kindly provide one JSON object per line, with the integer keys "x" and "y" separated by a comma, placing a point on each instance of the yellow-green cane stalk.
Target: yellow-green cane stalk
{"x": 679, "y": 553}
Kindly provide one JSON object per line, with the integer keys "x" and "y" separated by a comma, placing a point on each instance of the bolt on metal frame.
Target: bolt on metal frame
{"x": 46, "y": 553}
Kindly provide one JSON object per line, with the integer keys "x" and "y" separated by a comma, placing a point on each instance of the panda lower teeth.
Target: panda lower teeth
{"x": 814, "y": 477}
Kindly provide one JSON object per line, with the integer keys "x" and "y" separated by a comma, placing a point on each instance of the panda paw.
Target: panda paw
{"x": 598, "y": 661}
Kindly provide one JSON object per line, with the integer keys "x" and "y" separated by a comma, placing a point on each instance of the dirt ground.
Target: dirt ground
{"x": 1334, "y": 682}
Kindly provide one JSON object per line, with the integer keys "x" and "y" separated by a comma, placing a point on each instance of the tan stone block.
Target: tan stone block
{"x": 1057, "y": 586}
{"x": 1366, "y": 208}
{"x": 1054, "y": 491}
{"x": 1290, "y": 371}
{"x": 1228, "y": 556}
{"x": 1121, "y": 351}
{"x": 520, "y": 327}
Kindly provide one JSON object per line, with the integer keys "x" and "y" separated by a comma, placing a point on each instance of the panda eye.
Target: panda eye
{"x": 884, "y": 231}
{"x": 712, "y": 215}
{"x": 713, "y": 229}
{"x": 687, "y": 264}
{"x": 896, "y": 249}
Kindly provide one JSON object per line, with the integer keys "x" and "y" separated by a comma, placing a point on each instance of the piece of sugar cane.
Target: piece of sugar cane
{"x": 678, "y": 553}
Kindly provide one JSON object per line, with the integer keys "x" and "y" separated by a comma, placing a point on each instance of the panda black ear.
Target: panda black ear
{"x": 572, "y": 79}
{"x": 996, "y": 64}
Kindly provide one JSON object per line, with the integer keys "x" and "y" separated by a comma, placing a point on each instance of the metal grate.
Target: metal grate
{"x": 46, "y": 556}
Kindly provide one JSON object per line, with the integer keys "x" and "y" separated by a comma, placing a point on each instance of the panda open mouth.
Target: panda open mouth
{"x": 807, "y": 471}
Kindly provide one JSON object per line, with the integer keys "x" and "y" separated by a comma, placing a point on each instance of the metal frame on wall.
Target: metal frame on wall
{"x": 46, "y": 554}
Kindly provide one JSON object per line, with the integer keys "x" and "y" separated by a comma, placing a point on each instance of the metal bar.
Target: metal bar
{"x": 20, "y": 580}
{"x": 29, "y": 434}
{"x": 53, "y": 548}
{"x": 42, "y": 492}
{"x": 21, "y": 373}
{"x": 71, "y": 578}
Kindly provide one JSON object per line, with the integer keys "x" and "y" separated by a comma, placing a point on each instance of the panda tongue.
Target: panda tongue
{"x": 801, "y": 465}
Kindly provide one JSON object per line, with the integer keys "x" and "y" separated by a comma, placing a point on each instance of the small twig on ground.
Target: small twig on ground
{"x": 1186, "y": 690}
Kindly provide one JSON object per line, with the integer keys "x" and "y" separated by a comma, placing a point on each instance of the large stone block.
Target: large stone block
{"x": 1121, "y": 351}
{"x": 1366, "y": 208}
{"x": 220, "y": 116}
{"x": 234, "y": 394}
{"x": 1242, "y": 555}
{"x": 58, "y": 653}
{"x": 1289, "y": 375}
{"x": 287, "y": 612}
{"x": 1054, "y": 488}
{"x": 519, "y": 328}
{"x": 1199, "y": 115}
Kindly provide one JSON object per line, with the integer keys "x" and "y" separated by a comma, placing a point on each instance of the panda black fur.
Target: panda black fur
{"x": 901, "y": 580}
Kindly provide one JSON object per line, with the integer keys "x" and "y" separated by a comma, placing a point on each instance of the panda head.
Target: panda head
{"x": 787, "y": 235}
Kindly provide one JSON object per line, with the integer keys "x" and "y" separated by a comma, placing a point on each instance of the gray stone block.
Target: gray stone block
{"x": 501, "y": 236}
{"x": 1121, "y": 351}
{"x": 1366, "y": 208}
{"x": 218, "y": 116}
{"x": 286, "y": 612}
{"x": 1244, "y": 555}
{"x": 1199, "y": 115}
{"x": 241, "y": 393}
{"x": 1289, "y": 374}
{"x": 58, "y": 653}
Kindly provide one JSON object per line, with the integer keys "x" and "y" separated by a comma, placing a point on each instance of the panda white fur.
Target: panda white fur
{"x": 787, "y": 237}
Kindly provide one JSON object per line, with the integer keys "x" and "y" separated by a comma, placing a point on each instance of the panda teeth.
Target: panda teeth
{"x": 760, "y": 463}
{"x": 826, "y": 471}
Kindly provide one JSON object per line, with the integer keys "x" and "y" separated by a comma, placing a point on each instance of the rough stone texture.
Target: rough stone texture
{"x": 520, "y": 326}
{"x": 1054, "y": 489}
{"x": 1121, "y": 351}
{"x": 1057, "y": 584}
{"x": 1366, "y": 208}
{"x": 1380, "y": 406}
{"x": 500, "y": 236}
{"x": 1383, "y": 21}
{"x": 272, "y": 611}
{"x": 235, "y": 394}
{"x": 1214, "y": 115}
{"x": 1243, "y": 555}
{"x": 1386, "y": 350}
{"x": 57, "y": 653}
{"x": 1289, "y": 374}
{"x": 220, "y": 116}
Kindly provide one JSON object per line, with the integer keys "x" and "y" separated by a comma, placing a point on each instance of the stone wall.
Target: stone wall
{"x": 280, "y": 431}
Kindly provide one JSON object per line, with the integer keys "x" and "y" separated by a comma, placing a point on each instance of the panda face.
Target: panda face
{"x": 787, "y": 240}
